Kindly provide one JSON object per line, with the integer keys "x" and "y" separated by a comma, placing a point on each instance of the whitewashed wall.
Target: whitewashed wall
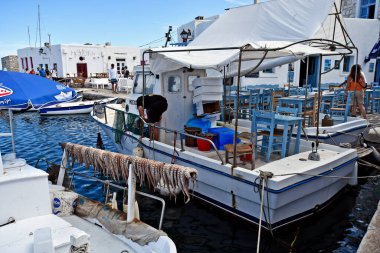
{"x": 97, "y": 57}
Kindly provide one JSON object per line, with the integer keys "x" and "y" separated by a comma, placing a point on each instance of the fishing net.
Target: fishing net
{"x": 119, "y": 126}
{"x": 134, "y": 124}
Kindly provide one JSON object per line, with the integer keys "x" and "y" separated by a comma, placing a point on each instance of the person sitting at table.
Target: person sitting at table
{"x": 356, "y": 82}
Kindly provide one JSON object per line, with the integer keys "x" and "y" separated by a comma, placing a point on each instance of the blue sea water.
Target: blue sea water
{"x": 197, "y": 227}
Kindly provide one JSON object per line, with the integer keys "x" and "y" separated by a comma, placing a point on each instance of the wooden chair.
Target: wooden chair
{"x": 376, "y": 99}
{"x": 310, "y": 112}
{"x": 275, "y": 98}
{"x": 266, "y": 100}
{"x": 263, "y": 125}
{"x": 241, "y": 150}
{"x": 340, "y": 107}
{"x": 254, "y": 101}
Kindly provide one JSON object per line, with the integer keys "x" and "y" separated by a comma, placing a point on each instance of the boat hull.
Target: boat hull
{"x": 290, "y": 198}
{"x": 66, "y": 110}
{"x": 73, "y": 108}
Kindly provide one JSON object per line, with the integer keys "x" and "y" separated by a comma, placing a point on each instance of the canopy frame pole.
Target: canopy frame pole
{"x": 10, "y": 112}
{"x": 224, "y": 94}
{"x": 327, "y": 41}
{"x": 237, "y": 110}
{"x": 307, "y": 86}
{"x": 237, "y": 100}
{"x": 319, "y": 102}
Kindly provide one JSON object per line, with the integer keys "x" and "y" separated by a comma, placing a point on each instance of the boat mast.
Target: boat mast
{"x": 39, "y": 24}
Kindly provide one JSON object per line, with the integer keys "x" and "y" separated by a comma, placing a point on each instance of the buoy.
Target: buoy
{"x": 375, "y": 154}
{"x": 138, "y": 151}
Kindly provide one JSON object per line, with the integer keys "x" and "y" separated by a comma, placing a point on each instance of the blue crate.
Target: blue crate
{"x": 223, "y": 136}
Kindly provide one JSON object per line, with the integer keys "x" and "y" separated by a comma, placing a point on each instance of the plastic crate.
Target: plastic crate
{"x": 223, "y": 136}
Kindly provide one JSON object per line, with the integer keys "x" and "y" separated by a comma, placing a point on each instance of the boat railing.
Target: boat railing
{"x": 181, "y": 134}
{"x": 10, "y": 114}
{"x": 119, "y": 187}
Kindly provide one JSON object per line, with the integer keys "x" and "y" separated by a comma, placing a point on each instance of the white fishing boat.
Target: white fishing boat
{"x": 78, "y": 224}
{"x": 78, "y": 107}
{"x": 271, "y": 190}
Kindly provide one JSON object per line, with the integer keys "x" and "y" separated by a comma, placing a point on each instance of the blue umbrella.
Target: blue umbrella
{"x": 22, "y": 91}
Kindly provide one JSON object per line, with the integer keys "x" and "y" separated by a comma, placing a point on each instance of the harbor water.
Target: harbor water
{"x": 197, "y": 227}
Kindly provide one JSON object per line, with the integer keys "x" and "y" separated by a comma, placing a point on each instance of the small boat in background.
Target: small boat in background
{"x": 73, "y": 107}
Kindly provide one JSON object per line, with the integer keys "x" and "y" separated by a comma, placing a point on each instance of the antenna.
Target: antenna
{"x": 29, "y": 36}
{"x": 168, "y": 36}
{"x": 39, "y": 23}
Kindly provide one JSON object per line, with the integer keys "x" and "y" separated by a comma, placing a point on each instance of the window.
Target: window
{"x": 371, "y": 67}
{"x": 174, "y": 84}
{"x": 253, "y": 75}
{"x": 150, "y": 80}
{"x": 46, "y": 66}
{"x": 55, "y": 66}
{"x": 22, "y": 63}
{"x": 31, "y": 62}
{"x": 26, "y": 63}
{"x": 270, "y": 71}
{"x": 119, "y": 65}
{"x": 327, "y": 64}
{"x": 347, "y": 63}
{"x": 367, "y": 9}
{"x": 190, "y": 80}
{"x": 336, "y": 64}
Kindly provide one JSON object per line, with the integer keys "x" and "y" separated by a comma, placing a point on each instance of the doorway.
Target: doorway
{"x": 312, "y": 76}
{"x": 177, "y": 89}
{"x": 82, "y": 70}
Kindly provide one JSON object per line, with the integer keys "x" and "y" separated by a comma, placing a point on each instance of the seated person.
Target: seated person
{"x": 155, "y": 106}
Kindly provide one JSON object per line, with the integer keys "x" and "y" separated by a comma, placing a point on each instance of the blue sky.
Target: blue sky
{"x": 121, "y": 22}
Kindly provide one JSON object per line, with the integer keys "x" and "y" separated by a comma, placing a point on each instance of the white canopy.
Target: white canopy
{"x": 268, "y": 25}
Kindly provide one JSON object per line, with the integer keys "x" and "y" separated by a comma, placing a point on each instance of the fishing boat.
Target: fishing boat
{"x": 78, "y": 107}
{"x": 37, "y": 216}
{"x": 272, "y": 190}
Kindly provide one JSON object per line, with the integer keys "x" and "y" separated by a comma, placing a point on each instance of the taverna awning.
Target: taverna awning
{"x": 262, "y": 29}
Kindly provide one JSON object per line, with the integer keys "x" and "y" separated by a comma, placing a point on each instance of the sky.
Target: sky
{"x": 121, "y": 22}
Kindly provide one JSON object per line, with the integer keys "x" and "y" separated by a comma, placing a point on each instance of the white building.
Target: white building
{"x": 78, "y": 60}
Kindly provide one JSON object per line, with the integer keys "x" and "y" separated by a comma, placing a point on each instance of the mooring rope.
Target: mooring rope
{"x": 263, "y": 180}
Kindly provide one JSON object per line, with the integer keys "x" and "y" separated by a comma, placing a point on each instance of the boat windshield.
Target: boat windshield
{"x": 138, "y": 83}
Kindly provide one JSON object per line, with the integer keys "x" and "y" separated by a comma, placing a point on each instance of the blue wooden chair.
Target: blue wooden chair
{"x": 263, "y": 125}
{"x": 287, "y": 111}
{"x": 242, "y": 106}
{"x": 340, "y": 107}
{"x": 266, "y": 100}
{"x": 293, "y": 91}
{"x": 254, "y": 101}
{"x": 376, "y": 99}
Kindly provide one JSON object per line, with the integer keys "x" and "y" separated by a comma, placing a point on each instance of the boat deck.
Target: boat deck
{"x": 212, "y": 154}
{"x": 100, "y": 239}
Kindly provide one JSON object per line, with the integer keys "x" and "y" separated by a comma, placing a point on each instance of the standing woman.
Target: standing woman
{"x": 356, "y": 83}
